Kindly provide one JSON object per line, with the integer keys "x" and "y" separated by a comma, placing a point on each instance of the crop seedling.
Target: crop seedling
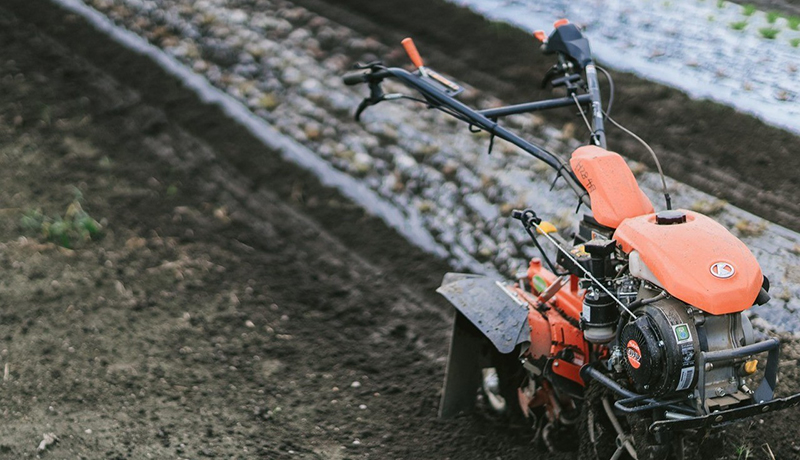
{"x": 793, "y": 22}
{"x": 739, "y": 25}
{"x": 749, "y": 9}
{"x": 795, "y": 42}
{"x": 773, "y": 16}
{"x": 769, "y": 32}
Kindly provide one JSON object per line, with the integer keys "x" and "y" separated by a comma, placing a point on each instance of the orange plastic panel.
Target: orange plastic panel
{"x": 615, "y": 194}
{"x": 686, "y": 259}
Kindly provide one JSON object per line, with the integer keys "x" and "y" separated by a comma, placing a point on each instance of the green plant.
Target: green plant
{"x": 793, "y": 22}
{"x": 739, "y": 25}
{"x": 769, "y": 32}
{"x": 795, "y": 42}
{"x": 749, "y": 9}
{"x": 720, "y": 3}
{"x": 742, "y": 452}
{"x": 773, "y": 16}
{"x": 71, "y": 229}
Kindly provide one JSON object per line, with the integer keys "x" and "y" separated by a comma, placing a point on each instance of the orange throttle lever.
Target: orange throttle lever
{"x": 413, "y": 54}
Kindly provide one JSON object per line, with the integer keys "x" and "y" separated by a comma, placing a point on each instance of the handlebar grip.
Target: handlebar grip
{"x": 356, "y": 78}
{"x": 413, "y": 54}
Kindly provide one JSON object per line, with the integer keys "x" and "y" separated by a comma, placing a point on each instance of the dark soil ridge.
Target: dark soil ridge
{"x": 713, "y": 147}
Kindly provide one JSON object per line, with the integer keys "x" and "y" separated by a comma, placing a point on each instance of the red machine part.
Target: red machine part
{"x": 554, "y": 328}
{"x": 554, "y": 331}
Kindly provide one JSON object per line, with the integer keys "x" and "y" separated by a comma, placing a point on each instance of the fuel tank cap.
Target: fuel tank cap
{"x": 670, "y": 217}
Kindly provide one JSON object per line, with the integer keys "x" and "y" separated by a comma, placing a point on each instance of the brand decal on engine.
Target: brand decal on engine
{"x": 682, "y": 333}
{"x": 722, "y": 270}
{"x": 634, "y": 354}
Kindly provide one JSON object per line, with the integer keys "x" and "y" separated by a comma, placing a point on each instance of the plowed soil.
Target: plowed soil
{"x": 231, "y": 307}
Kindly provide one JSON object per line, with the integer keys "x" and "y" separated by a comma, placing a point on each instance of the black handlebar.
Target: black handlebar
{"x": 366, "y": 76}
{"x": 484, "y": 120}
{"x": 356, "y": 78}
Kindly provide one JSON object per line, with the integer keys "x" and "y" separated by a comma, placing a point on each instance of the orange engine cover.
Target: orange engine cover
{"x": 699, "y": 262}
{"x": 614, "y": 191}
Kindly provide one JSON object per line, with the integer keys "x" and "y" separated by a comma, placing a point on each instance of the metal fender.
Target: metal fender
{"x": 491, "y": 307}
{"x": 485, "y": 309}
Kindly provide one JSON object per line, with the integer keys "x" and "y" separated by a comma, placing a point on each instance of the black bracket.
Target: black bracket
{"x": 376, "y": 95}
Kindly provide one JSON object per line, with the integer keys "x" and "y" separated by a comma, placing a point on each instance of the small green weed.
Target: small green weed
{"x": 749, "y": 9}
{"x": 743, "y": 452}
{"x": 795, "y": 42}
{"x": 793, "y": 22}
{"x": 70, "y": 230}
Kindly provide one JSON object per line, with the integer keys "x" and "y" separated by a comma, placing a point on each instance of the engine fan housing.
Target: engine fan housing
{"x": 660, "y": 346}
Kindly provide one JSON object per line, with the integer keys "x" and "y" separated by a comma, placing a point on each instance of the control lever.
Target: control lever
{"x": 376, "y": 95}
{"x": 531, "y": 222}
{"x": 413, "y": 54}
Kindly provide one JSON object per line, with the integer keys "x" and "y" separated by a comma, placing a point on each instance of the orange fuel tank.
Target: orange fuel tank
{"x": 698, "y": 261}
{"x": 614, "y": 192}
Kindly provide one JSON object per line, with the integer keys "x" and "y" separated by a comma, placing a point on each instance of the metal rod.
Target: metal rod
{"x": 534, "y": 106}
{"x": 741, "y": 352}
{"x": 587, "y": 373}
{"x": 620, "y": 432}
{"x": 597, "y": 107}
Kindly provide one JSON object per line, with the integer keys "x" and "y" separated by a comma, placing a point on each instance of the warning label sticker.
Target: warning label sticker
{"x": 687, "y": 375}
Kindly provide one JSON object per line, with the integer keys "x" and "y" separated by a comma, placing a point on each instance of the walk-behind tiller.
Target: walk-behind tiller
{"x": 634, "y": 335}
